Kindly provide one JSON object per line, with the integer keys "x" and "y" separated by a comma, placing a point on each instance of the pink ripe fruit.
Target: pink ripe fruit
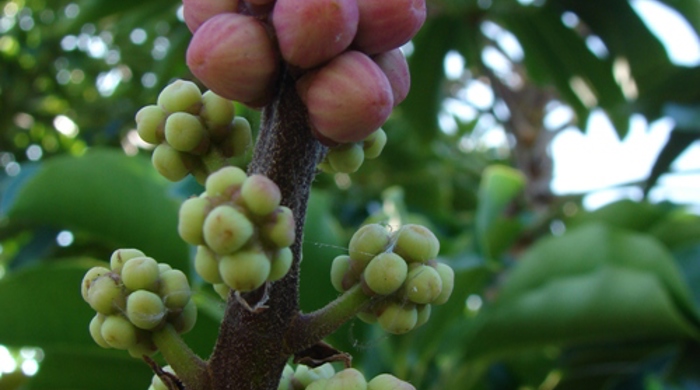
{"x": 395, "y": 67}
{"x": 386, "y": 25}
{"x": 311, "y": 32}
{"x": 234, "y": 57}
{"x": 197, "y": 12}
{"x": 347, "y": 99}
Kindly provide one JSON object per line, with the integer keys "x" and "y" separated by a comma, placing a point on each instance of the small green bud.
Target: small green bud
{"x": 220, "y": 182}
{"x": 423, "y": 284}
{"x": 397, "y": 318}
{"x": 416, "y": 243}
{"x": 206, "y": 265}
{"x": 170, "y": 163}
{"x": 281, "y": 263}
{"x": 118, "y": 332}
{"x": 346, "y": 158}
{"x": 121, "y": 256}
{"x": 174, "y": 289}
{"x": 184, "y": 132}
{"x": 385, "y": 273}
{"x": 145, "y": 309}
{"x": 191, "y": 217}
{"x": 140, "y": 273}
{"x": 180, "y": 96}
{"x": 447, "y": 276}
{"x": 367, "y": 242}
{"x": 96, "y": 330}
{"x": 260, "y": 194}
{"x": 150, "y": 121}
{"x": 245, "y": 270}
{"x": 226, "y": 229}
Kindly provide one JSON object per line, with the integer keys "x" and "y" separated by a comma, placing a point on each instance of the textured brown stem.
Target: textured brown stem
{"x": 250, "y": 352}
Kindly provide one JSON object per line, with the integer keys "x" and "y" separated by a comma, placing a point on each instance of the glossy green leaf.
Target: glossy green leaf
{"x": 626, "y": 214}
{"x": 115, "y": 198}
{"x": 595, "y": 283}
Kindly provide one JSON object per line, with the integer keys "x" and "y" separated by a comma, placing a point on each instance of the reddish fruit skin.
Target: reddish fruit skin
{"x": 197, "y": 12}
{"x": 395, "y": 67}
{"x": 347, "y": 99}
{"x": 311, "y": 32}
{"x": 234, "y": 57}
{"x": 386, "y": 25}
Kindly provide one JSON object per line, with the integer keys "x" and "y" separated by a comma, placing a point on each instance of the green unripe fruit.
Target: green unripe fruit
{"x": 105, "y": 295}
{"x": 206, "y": 265}
{"x": 170, "y": 163}
{"x": 174, "y": 289}
{"x": 367, "y": 242}
{"x": 318, "y": 385}
{"x": 180, "y": 96}
{"x": 423, "y": 314}
{"x": 96, "y": 330}
{"x": 374, "y": 144}
{"x": 118, "y": 332}
{"x": 245, "y": 270}
{"x": 162, "y": 267}
{"x": 339, "y": 268}
{"x": 142, "y": 348}
{"x": 281, "y": 263}
{"x": 423, "y": 284}
{"x": 226, "y": 229}
{"x": 184, "y": 322}
{"x": 145, "y": 309}
{"x": 239, "y": 139}
{"x": 388, "y": 382}
{"x": 223, "y": 290}
{"x": 397, "y": 318}
{"x": 280, "y": 229}
{"x": 260, "y": 194}
{"x": 367, "y": 317}
{"x": 191, "y": 217}
{"x": 121, "y": 256}
{"x": 416, "y": 243}
{"x": 216, "y": 110}
{"x": 140, "y": 273}
{"x": 348, "y": 379}
{"x": 305, "y": 375}
{"x": 385, "y": 273}
{"x": 158, "y": 384}
{"x": 90, "y": 276}
{"x": 184, "y": 132}
{"x": 447, "y": 276}
{"x": 286, "y": 379}
{"x": 220, "y": 182}
{"x": 346, "y": 158}
{"x": 149, "y": 124}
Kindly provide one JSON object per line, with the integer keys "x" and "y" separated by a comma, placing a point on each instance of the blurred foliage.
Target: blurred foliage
{"x": 547, "y": 295}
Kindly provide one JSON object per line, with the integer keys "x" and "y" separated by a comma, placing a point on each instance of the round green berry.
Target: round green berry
{"x": 121, "y": 256}
{"x": 347, "y": 379}
{"x": 280, "y": 228}
{"x": 423, "y": 284}
{"x": 339, "y": 269}
{"x": 206, "y": 265}
{"x": 106, "y": 295}
{"x": 145, "y": 309}
{"x": 96, "y": 330}
{"x": 374, "y": 144}
{"x": 157, "y": 383}
{"x": 150, "y": 121}
{"x": 245, "y": 270}
{"x": 416, "y": 243}
{"x": 221, "y": 182}
{"x": 216, "y": 111}
{"x": 319, "y": 384}
{"x": 239, "y": 139}
{"x": 385, "y": 273}
{"x": 185, "y": 132}
{"x": 174, "y": 289}
{"x": 388, "y": 382}
{"x": 180, "y": 96}
{"x": 423, "y": 314}
{"x": 305, "y": 375}
{"x": 140, "y": 273}
{"x": 170, "y": 163}
{"x": 367, "y": 317}
{"x": 367, "y": 242}
{"x": 118, "y": 332}
{"x": 90, "y": 276}
{"x": 346, "y": 158}
{"x": 447, "y": 276}
{"x": 223, "y": 290}
{"x": 143, "y": 347}
{"x": 185, "y": 320}
{"x": 281, "y": 263}
{"x": 398, "y": 318}
{"x": 286, "y": 379}
{"x": 226, "y": 229}
{"x": 162, "y": 267}
{"x": 191, "y": 217}
{"x": 260, "y": 194}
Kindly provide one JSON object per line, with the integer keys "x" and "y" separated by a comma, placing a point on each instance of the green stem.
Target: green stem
{"x": 190, "y": 368}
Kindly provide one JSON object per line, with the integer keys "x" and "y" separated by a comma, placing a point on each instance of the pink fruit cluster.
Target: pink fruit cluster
{"x": 346, "y": 53}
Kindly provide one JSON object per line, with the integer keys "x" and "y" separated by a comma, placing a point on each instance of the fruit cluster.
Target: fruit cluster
{"x": 134, "y": 298}
{"x": 241, "y": 231}
{"x": 188, "y": 126}
{"x": 349, "y": 66}
{"x": 347, "y": 158}
{"x": 399, "y": 266}
{"x": 326, "y": 378}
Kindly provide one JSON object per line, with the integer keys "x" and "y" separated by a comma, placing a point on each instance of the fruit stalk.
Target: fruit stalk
{"x": 190, "y": 368}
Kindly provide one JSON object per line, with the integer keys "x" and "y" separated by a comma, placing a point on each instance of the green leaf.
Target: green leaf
{"x": 595, "y": 283}
{"x": 626, "y": 214}
{"x": 115, "y": 198}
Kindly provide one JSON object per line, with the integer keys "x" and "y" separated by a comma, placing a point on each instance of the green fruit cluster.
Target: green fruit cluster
{"x": 135, "y": 297}
{"x": 326, "y": 378}
{"x": 347, "y": 158}
{"x": 241, "y": 231}
{"x": 187, "y": 126}
{"x": 399, "y": 266}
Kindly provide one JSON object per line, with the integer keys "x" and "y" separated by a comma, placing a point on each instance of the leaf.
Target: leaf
{"x": 625, "y": 214}
{"x": 117, "y": 199}
{"x": 594, "y": 283}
